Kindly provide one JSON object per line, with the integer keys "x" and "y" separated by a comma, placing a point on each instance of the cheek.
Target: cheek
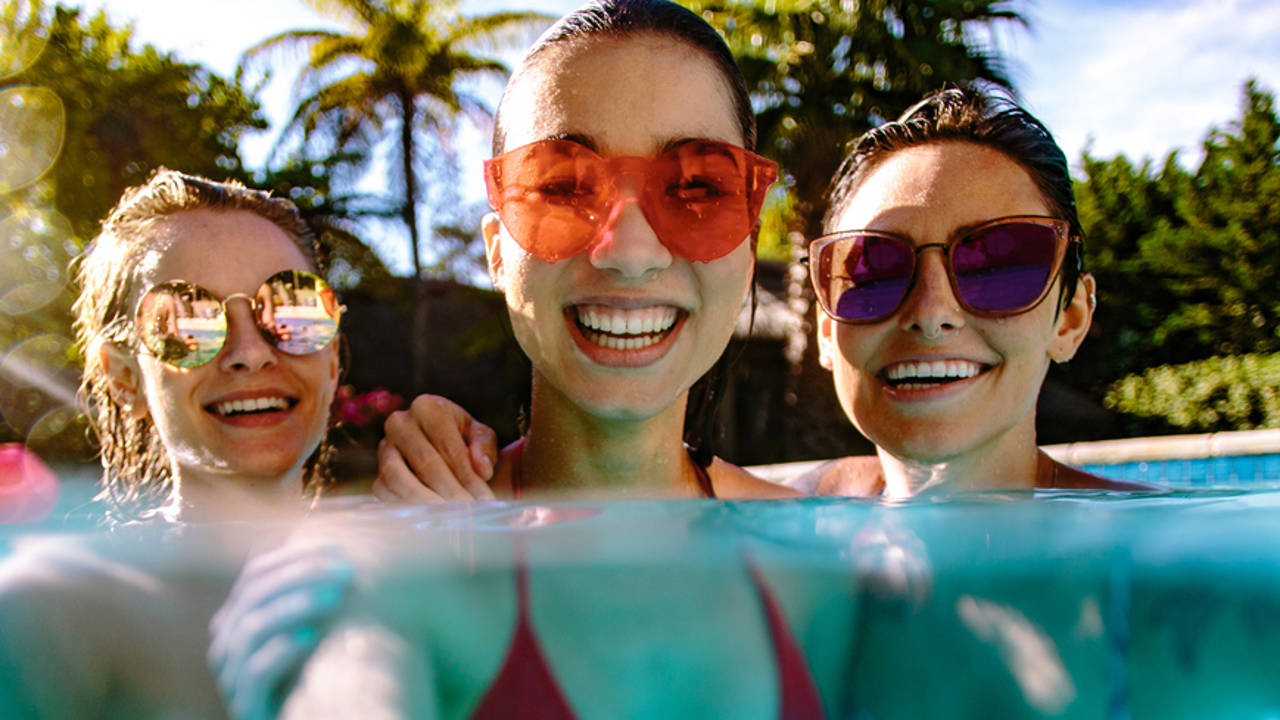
{"x": 723, "y": 283}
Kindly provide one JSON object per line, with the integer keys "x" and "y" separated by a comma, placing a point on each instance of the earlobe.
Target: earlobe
{"x": 124, "y": 379}
{"x": 491, "y": 229}
{"x": 1074, "y": 321}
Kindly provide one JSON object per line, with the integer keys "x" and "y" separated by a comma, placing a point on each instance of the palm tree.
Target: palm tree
{"x": 397, "y": 76}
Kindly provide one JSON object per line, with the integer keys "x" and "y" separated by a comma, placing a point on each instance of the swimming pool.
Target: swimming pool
{"x": 1047, "y": 604}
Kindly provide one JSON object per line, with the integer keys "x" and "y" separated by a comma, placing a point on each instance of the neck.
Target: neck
{"x": 1009, "y": 462}
{"x": 199, "y": 497}
{"x": 570, "y": 451}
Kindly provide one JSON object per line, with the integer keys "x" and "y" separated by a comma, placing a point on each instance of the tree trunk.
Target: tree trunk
{"x": 419, "y": 346}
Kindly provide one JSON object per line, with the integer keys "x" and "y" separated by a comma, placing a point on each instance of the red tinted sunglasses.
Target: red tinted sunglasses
{"x": 555, "y": 197}
{"x": 1000, "y": 268}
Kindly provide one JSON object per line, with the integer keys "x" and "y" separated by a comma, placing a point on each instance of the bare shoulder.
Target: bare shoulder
{"x": 852, "y": 476}
{"x": 733, "y": 483}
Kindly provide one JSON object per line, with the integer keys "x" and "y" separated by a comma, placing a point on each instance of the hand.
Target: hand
{"x": 435, "y": 452}
{"x": 279, "y": 608}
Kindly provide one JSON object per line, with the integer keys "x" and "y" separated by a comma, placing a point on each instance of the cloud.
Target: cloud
{"x": 1145, "y": 79}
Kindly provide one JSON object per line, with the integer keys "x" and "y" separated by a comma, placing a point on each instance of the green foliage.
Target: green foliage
{"x": 1238, "y": 392}
{"x": 822, "y": 72}
{"x": 1185, "y": 260}
{"x": 121, "y": 111}
{"x": 129, "y": 110}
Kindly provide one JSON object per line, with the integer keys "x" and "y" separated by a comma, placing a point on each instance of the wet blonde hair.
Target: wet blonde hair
{"x": 135, "y": 467}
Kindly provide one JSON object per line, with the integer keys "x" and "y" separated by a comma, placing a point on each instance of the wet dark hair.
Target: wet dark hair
{"x": 628, "y": 18}
{"x": 978, "y": 116}
{"x": 619, "y": 19}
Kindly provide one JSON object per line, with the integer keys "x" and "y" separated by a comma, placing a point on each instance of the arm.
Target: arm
{"x": 435, "y": 452}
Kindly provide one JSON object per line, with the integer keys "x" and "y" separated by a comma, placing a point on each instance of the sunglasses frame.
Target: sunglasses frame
{"x": 759, "y": 173}
{"x": 254, "y": 306}
{"x": 1065, "y": 244}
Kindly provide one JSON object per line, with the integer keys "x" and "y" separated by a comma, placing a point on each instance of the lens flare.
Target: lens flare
{"x": 32, "y": 122}
{"x": 33, "y": 255}
{"x": 24, "y": 32}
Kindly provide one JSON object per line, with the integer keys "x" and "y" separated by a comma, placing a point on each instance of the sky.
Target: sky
{"x": 1140, "y": 77}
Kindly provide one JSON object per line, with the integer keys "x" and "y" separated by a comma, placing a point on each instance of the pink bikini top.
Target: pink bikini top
{"x": 525, "y": 687}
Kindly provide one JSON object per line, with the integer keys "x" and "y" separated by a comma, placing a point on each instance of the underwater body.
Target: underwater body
{"x": 1035, "y": 604}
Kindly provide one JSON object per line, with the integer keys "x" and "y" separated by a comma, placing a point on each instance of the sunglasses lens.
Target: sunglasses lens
{"x": 1005, "y": 268}
{"x": 182, "y": 324}
{"x": 552, "y": 196}
{"x": 698, "y": 199}
{"x": 297, "y": 312}
{"x": 867, "y": 276}
{"x": 701, "y": 198}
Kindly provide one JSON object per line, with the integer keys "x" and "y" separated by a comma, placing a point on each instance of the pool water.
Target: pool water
{"x": 1241, "y": 471}
{"x": 1046, "y": 604}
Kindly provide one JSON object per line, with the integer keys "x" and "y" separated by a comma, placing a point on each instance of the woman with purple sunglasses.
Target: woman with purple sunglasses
{"x": 949, "y": 280}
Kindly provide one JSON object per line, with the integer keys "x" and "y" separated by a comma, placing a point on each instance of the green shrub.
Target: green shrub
{"x": 1234, "y": 392}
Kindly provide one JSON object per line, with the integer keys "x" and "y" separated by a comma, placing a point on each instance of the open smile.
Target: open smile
{"x": 620, "y": 336}
{"x": 929, "y": 374}
{"x": 254, "y": 406}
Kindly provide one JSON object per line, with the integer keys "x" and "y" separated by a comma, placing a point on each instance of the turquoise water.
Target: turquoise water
{"x": 1241, "y": 471}
{"x": 987, "y": 605}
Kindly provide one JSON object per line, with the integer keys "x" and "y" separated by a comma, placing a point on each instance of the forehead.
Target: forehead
{"x": 226, "y": 251}
{"x": 623, "y": 96}
{"x": 932, "y": 190}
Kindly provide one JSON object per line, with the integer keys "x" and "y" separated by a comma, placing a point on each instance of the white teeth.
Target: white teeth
{"x": 933, "y": 369}
{"x": 251, "y": 405}
{"x": 630, "y": 321}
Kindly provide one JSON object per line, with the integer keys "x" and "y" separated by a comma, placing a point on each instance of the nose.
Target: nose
{"x": 628, "y": 245}
{"x": 931, "y": 308}
{"x": 245, "y": 350}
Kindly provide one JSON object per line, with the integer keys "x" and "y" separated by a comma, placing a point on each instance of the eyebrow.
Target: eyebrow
{"x": 589, "y": 143}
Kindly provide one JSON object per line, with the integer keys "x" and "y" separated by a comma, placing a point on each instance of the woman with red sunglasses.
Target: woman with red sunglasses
{"x": 625, "y": 200}
{"x": 949, "y": 280}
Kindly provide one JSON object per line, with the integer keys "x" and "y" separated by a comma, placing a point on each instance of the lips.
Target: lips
{"x": 923, "y": 374}
{"x": 624, "y": 336}
{"x": 243, "y": 406}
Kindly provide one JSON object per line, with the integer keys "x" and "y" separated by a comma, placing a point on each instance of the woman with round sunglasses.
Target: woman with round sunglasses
{"x": 949, "y": 280}
{"x": 209, "y": 346}
{"x": 210, "y": 365}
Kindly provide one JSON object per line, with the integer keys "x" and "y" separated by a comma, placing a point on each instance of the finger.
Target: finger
{"x": 445, "y": 426}
{"x": 259, "y": 586}
{"x": 425, "y": 452}
{"x": 396, "y": 482}
{"x": 248, "y": 633}
{"x": 257, "y": 693}
{"x": 484, "y": 449}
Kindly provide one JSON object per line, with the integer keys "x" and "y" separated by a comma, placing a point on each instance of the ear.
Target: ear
{"x": 124, "y": 379}
{"x": 491, "y": 229}
{"x": 826, "y": 339}
{"x": 1074, "y": 321}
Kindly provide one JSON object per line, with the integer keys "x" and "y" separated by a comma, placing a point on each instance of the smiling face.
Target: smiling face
{"x": 934, "y": 383}
{"x": 625, "y": 328}
{"x": 252, "y": 412}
